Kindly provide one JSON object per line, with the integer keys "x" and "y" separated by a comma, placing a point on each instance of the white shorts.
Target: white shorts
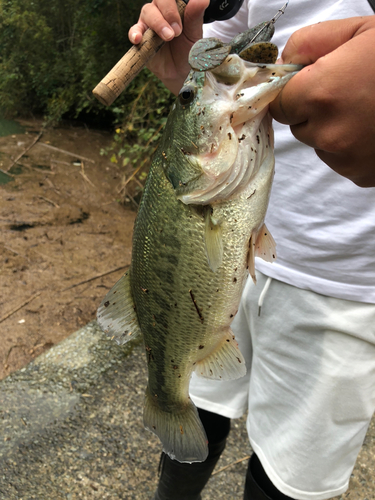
{"x": 309, "y": 387}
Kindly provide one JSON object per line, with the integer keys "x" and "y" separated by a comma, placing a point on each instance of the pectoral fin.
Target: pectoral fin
{"x": 225, "y": 362}
{"x": 214, "y": 241}
{"x": 116, "y": 314}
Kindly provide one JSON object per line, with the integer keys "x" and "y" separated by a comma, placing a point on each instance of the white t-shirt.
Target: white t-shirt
{"x": 323, "y": 224}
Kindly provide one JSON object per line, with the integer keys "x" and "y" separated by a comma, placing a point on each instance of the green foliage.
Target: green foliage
{"x": 54, "y": 52}
{"x": 140, "y": 126}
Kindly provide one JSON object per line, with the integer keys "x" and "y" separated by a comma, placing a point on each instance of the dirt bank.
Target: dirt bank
{"x": 61, "y": 226}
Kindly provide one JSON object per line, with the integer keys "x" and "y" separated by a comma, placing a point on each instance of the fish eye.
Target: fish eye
{"x": 186, "y": 95}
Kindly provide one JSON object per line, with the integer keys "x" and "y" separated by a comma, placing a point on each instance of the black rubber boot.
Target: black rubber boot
{"x": 258, "y": 486}
{"x": 182, "y": 481}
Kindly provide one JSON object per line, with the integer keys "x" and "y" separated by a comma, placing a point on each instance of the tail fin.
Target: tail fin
{"x": 180, "y": 431}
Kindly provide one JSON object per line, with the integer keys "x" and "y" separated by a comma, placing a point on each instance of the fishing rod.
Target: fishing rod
{"x": 128, "y": 67}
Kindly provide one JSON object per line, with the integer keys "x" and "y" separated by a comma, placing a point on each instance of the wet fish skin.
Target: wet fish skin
{"x": 199, "y": 225}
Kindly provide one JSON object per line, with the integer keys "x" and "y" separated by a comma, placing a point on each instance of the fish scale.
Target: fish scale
{"x": 168, "y": 284}
{"x": 168, "y": 305}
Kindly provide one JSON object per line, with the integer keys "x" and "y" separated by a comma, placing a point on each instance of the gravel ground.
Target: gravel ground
{"x": 71, "y": 428}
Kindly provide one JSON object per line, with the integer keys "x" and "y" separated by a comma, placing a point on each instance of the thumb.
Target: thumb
{"x": 308, "y": 44}
{"x": 193, "y": 19}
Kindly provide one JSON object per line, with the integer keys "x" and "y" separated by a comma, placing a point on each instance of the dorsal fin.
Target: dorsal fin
{"x": 116, "y": 314}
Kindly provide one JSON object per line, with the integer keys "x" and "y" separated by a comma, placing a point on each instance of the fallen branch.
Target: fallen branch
{"x": 61, "y": 162}
{"x": 26, "y": 150}
{"x": 6, "y": 366}
{"x": 11, "y": 250}
{"x": 20, "y": 306}
{"x": 31, "y": 351}
{"x": 230, "y": 465}
{"x": 6, "y": 173}
{"x": 16, "y": 253}
{"x": 95, "y": 278}
{"x": 82, "y": 172}
{"x": 45, "y": 172}
{"x": 49, "y": 201}
{"x": 132, "y": 175}
{"x": 65, "y": 152}
{"x": 143, "y": 162}
{"x": 132, "y": 199}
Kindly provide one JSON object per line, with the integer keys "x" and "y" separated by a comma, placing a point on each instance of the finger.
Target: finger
{"x": 291, "y": 106}
{"x": 195, "y": 9}
{"x": 169, "y": 11}
{"x": 193, "y": 19}
{"x": 162, "y": 17}
{"x": 308, "y": 44}
{"x": 136, "y": 32}
{"x": 363, "y": 174}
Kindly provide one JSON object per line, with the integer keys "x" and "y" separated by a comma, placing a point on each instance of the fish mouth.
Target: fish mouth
{"x": 236, "y": 132}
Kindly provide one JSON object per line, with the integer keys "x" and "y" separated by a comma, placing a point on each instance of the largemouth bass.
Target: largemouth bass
{"x": 199, "y": 226}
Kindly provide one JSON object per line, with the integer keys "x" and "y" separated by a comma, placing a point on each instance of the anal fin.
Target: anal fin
{"x": 116, "y": 314}
{"x": 225, "y": 362}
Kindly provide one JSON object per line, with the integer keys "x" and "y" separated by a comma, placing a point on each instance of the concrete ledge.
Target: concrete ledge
{"x": 71, "y": 428}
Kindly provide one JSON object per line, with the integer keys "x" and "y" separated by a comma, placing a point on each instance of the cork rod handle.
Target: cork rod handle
{"x": 131, "y": 64}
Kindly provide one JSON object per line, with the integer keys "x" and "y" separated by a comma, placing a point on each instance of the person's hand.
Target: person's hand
{"x": 170, "y": 64}
{"x": 330, "y": 104}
